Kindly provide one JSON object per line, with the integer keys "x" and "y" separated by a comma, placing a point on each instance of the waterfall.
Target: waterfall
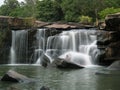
{"x": 19, "y": 47}
{"x": 80, "y": 41}
{"x": 40, "y": 37}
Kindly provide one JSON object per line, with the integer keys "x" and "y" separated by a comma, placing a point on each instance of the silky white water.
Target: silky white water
{"x": 19, "y": 46}
{"x": 79, "y": 43}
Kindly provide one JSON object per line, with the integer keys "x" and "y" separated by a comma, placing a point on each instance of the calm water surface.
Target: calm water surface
{"x": 57, "y": 79}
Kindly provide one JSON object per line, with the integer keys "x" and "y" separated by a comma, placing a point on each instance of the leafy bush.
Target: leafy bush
{"x": 85, "y": 19}
{"x": 107, "y": 11}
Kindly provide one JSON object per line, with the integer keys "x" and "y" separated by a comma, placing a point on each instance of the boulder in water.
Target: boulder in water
{"x": 114, "y": 66}
{"x": 13, "y": 76}
{"x": 45, "y": 60}
{"x": 44, "y": 88}
{"x": 62, "y": 63}
{"x": 73, "y": 60}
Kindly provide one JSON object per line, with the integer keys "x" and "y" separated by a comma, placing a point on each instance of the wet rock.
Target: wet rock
{"x": 114, "y": 36}
{"x": 44, "y": 88}
{"x": 114, "y": 66}
{"x": 111, "y": 41}
{"x": 13, "y": 76}
{"x": 113, "y": 49}
{"x": 45, "y": 60}
{"x": 61, "y": 63}
{"x": 101, "y": 25}
{"x": 113, "y": 22}
{"x": 103, "y": 42}
{"x": 102, "y": 73}
{"x": 72, "y": 60}
{"x": 103, "y": 38}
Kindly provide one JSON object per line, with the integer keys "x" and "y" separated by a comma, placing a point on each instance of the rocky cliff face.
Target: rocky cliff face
{"x": 110, "y": 40}
{"x": 5, "y": 43}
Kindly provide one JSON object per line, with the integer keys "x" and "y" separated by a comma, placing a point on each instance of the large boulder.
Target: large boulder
{"x": 72, "y": 60}
{"x": 113, "y": 22}
{"x": 111, "y": 42}
{"x": 113, "y": 50}
{"x": 62, "y": 63}
{"x": 13, "y": 76}
{"x": 113, "y": 69}
{"x": 114, "y": 66}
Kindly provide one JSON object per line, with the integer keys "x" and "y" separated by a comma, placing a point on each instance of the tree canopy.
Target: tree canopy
{"x": 60, "y": 10}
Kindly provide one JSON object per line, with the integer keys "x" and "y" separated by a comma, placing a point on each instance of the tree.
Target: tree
{"x": 30, "y": 7}
{"x": 9, "y": 6}
{"x": 107, "y": 11}
{"x": 70, "y": 10}
{"x": 54, "y": 10}
{"x": 85, "y": 19}
{"x": 49, "y": 10}
{"x": 74, "y": 8}
{"x": 11, "y": 3}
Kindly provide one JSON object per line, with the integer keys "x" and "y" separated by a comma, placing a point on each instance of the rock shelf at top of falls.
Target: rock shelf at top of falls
{"x": 23, "y": 23}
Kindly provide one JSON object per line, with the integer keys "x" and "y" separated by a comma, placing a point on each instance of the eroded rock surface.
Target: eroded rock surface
{"x": 12, "y": 76}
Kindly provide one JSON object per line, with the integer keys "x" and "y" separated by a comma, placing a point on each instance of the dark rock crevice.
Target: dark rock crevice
{"x": 111, "y": 41}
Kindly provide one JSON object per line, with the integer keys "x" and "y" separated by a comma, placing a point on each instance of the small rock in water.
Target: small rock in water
{"x": 44, "y": 88}
{"x": 102, "y": 73}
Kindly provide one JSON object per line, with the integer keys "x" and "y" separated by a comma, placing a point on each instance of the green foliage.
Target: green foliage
{"x": 49, "y": 10}
{"x": 56, "y": 10}
{"x": 107, "y": 11}
{"x": 8, "y": 7}
{"x": 85, "y": 19}
{"x": 71, "y": 10}
{"x": 16, "y": 9}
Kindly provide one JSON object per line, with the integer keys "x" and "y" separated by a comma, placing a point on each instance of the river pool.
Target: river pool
{"x": 62, "y": 79}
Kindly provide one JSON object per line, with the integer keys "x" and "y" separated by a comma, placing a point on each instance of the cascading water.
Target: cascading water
{"x": 79, "y": 43}
{"x": 40, "y": 36}
{"x": 19, "y": 47}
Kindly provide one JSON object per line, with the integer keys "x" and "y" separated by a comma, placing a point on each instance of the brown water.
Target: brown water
{"x": 57, "y": 79}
